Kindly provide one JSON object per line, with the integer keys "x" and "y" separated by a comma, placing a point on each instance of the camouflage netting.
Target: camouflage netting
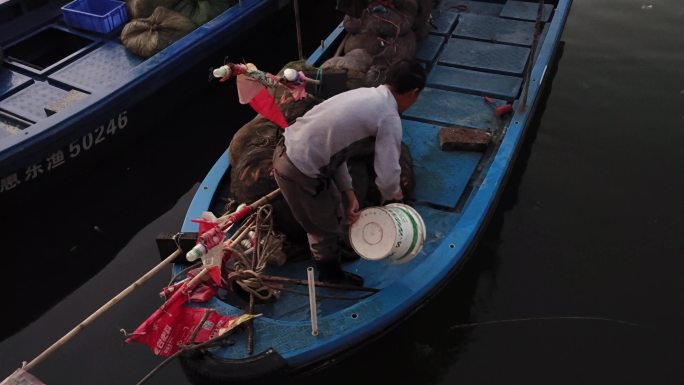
{"x": 388, "y": 33}
{"x": 138, "y": 9}
{"x": 201, "y": 11}
{"x": 145, "y": 37}
{"x": 251, "y": 173}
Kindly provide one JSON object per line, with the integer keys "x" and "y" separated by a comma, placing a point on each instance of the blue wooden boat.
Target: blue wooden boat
{"x": 69, "y": 94}
{"x": 475, "y": 49}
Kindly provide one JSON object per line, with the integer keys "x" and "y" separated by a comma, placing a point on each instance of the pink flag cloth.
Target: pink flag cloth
{"x": 247, "y": 88}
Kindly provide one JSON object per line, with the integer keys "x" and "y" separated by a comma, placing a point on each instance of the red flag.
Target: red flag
{"x": 256, "y": 94}
{"x": 172, "y": 325}
{"x": 265, "y": 104}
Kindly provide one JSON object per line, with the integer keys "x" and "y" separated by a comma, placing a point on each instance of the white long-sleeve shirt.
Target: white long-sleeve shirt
{"x": 317, "y": 143}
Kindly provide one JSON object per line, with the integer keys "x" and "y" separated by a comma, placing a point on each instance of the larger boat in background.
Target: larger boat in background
{"x": 479, "y": 56}
{"x": 70, "y": 90}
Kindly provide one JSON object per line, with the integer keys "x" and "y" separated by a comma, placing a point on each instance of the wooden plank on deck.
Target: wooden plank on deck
{"x": 475, "y": 82}
{"x": 525, "y": 10}
{"x": 448, "y": 108}
{"x": 495, "y": 29}
{"x": 441, "y": 177}
{"x": 480, "y": 55}
{"x": 443, "y": 21}
{"x": 429, "y": 47}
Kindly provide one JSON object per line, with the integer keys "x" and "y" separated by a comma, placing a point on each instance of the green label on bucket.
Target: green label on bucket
{"x": 414, "y": 240}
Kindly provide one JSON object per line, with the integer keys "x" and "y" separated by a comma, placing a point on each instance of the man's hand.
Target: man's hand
{"x": 351, "y": 207}
{"x": 399, "y": 198}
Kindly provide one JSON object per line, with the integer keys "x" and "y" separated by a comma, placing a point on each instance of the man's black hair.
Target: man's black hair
{"x": 405, "y": 76}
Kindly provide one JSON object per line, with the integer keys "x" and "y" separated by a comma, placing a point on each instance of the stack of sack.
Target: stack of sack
{"x": 156, "y": 24}
{"x": 379, "y": 35}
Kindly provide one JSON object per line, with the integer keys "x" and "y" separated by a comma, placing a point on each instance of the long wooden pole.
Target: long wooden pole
{"x": 299, "y": 30}
{"x": 102, "y": 309}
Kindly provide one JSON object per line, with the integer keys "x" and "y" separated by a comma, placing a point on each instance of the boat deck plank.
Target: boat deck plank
{"x": 525, "y": 10}
{"x": 441, "y": 176}
{"x": 448, "y": 108}
{"x": 469, "y": 6}
{"x": 30, "y": 102}
{"x": 475, "y": 82}
{"x": 443, "y": 21}
{"x": 487, "y": 56}
{"x": 10, "y": 81}
{"x": 428, "y": 48}
{"x": 105, "y": 65}
{"x": 495, "y": 29}
{"x": 8, "y": 127}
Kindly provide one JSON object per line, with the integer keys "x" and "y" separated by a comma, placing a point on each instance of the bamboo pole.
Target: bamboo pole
{"x": 102, "y": 309}
{"x": 533, "y": 53}
{"x": 227, "y": 220}
{"x": 312, "y": 301}
{"x": 250, "y": 307}
{"x": 304, "y": 282}
{"x": 299, "y": 31}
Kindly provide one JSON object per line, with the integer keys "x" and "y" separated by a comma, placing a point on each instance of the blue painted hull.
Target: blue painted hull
{"x": 36, "y": 149}
{"x": 473, "y": 52}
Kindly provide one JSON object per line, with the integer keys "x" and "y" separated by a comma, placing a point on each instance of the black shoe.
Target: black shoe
{"x": 345, "y": 278}
{"x": 348, "y": 254}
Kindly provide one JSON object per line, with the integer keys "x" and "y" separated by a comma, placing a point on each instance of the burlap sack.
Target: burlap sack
{"x": 147, "y": 36}
{"x": 356, "y": 63}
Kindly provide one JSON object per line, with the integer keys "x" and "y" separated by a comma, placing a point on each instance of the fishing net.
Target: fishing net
{"x": 385, "y": 30}
{"x": 401, "y": 48}
{"x": 145, "y": 37}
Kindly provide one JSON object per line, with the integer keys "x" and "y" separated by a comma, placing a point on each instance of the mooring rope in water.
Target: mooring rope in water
{"x": 556, "y": 318}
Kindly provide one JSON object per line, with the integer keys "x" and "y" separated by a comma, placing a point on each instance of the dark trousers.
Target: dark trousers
{"x": 316, "y": 205}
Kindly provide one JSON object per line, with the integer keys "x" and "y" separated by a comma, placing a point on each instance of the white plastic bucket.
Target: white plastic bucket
{"x": 395, "y": 231}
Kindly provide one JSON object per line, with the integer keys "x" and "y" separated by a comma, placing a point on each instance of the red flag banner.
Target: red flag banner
{"x": 265, "y": 104}
{"x": 173, "y": 323}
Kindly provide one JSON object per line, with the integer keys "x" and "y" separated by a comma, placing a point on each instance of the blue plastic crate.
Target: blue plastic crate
{"x": 101, "y": 16}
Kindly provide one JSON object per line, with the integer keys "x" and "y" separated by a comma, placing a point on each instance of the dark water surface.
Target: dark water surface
{"x": 578, "y": 279}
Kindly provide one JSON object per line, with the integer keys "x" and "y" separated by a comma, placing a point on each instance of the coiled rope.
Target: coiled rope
{"x": 250, "y": 255}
